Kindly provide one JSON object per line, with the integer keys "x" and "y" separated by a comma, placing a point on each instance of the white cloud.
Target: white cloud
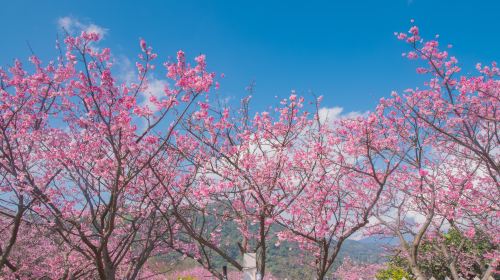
{"x": 65, "y": 23}
{"x": 72, "y": 24}
{"x": 92, "y": 28}
{"x": 330, "y": 114}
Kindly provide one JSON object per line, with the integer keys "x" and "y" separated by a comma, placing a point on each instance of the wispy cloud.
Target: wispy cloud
{"x": 72, "y": 25}
{"x": 125, "y": 72}
{"x": 330, "y": 114}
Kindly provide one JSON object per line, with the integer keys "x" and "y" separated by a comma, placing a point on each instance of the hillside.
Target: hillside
{"x": 284, "y": 260}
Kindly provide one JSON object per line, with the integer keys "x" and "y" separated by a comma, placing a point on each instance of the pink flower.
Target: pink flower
{"x": 142, "y": 43}
{"x": 414, "y": 30}
{"x": 401, "y": 36}
{"x": 422, "y": 70}
{"x": 470, "y": 233}
{"x": 423, "y": 172}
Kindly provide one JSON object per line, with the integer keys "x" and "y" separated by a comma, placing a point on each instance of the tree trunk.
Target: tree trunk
{"x": 417, "y": 272}
{"x": 261, "y": 264}
{"x": 488, "y": 272}
{"x": 453, "y": 270}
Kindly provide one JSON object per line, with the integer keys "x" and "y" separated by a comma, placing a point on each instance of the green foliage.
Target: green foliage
{"x": 478, "y": 246}
{"x": 393, "y": 272}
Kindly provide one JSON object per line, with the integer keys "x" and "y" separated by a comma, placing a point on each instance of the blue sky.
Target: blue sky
{"x": 343, "y": 50}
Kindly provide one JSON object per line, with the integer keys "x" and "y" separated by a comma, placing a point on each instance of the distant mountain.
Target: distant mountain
{"x": 384, "y": 240}
{"x": 380, "y": 240}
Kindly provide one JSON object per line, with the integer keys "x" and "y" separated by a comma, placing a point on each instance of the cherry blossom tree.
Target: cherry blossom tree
{"x": 347, "y": 165}
{"x": 40, "y": 253}
{"x": 78, "y": 148}
{"x": 245, "y": 177}
{"x": 26, "y": 102}
{"x": 451, "y": 178}
{"x": 462, "y": 112}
